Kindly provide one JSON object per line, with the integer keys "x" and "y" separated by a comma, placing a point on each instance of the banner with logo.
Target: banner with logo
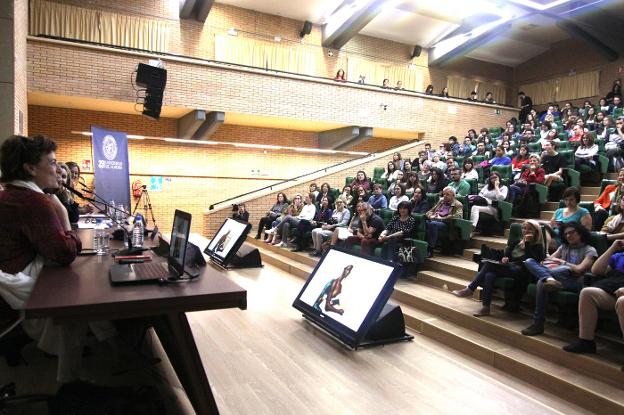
{"x": 110, "y": 165}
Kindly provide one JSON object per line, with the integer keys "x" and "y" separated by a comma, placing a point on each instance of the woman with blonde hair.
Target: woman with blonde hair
{"x": 531, "y": 245}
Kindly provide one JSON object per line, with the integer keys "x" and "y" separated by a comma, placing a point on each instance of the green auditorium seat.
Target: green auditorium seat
{"x": 505, "y": 172}
{"x": 348, "y": 180}
{"x": 378, "y": 172}
{"x": 474, "y": 186}
{"x": 617, "y": 112}
{"x": 495, "y": 131}
{"x": 386, "y": 214}
{"x": 535, "y": 148}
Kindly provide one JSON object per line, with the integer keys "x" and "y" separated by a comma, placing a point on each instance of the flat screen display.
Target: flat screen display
{"x": 346, "y": 292}
{"x": 179, "y": 238}
{"x": 227, "y": 241}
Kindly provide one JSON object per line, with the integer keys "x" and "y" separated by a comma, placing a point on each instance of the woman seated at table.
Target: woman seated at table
{"x": 40, "y": 231}
{"x": 511, "y": 266}
{"x": 77, "y": 181}
{"x": 64, "y": 195}
{"x": 572, "y": 212}
{"x": 401, "y": 226}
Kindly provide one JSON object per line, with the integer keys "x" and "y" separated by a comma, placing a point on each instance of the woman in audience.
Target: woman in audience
{"x": 407, "y": 168}
{"x": 436, "y": 182}
{"x": 346, "y": 196}
{"x": 604, "y": 294}
{"x": 339, "y": 219}
{"x": 419, "y": 201}
{"x": 292, "y": 210}
{"x": 614, "y": 146}
{"x": 399, "y": 180}
{"x": 440, "y": 216}
{"x": 385, "y": 84}
{"x": 340, "y": 76}
{"x": 610, "y": 197}
{"x": 553, "y": 164}
{"x": 531, "y": 121}
{"x": 360, "y": 196}
{"x": 425, "y": 171}
{"x": 511, "y": 265}
{"x": 572, "y": 212}
{"x": 390, "y": 173}
{"x": 444, "y": 93}
{"x": 398, "y": 161}
{"x": 278, "y": 209}
{"x": 508, "y": 150}
{"x": 398, "y": 197}
{"x": 518, "y": 162}
{"x": 586, "y": 153}
{"x": 551, "y": 137}
{"x": 531, "y": 174}
{"x": 545, "y": 127}
{"x": 493, "y": 191}
{"x": 241, "y": 214}
{"x": 561, "y": 270}
{"x": 437, "y": 163}
{"x": 325, "y": 192}
{"x": 590, "y": 118}
{"x": 401, "y": 226}
{"x": 340, "y": 233}
{"x": 603, "y": 105}
{"x": 64, "y": 195}
{"x": 472, "y": 133}
{"x": 614, "y": 225}
{"x": 321, "y": 217}
{"x": 313, "y": 189}
{"x": 429, "y": 90}
{"x": 361, "y": 180}
{"x": 307, "y": 212}
{"x": 412, "y": 183}
{"x": 469, "y": 171}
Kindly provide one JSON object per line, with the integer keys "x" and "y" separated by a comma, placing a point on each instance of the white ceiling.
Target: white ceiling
{"x": 425, "y": 22}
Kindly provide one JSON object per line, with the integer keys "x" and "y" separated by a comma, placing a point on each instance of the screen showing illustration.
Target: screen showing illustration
{"x": 227, "y": 239}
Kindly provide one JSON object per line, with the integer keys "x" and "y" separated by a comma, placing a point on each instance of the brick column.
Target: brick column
{"x": 13, "y": 68}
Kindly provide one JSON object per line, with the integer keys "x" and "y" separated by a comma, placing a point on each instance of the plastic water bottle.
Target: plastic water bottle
{"x": 119, "y": 214}
{"x": 100, "y": 239}
{"x": 111, "y": 210}
{"x": 137, "y": 231}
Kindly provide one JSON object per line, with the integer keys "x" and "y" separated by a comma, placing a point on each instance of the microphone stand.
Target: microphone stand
{"x": 131, "y": 250}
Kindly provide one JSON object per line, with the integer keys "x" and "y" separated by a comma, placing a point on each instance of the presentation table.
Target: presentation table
{"x": 82, "y": 291}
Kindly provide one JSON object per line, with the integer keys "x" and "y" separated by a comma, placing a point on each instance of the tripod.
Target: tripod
{"x": 147, "y": 206}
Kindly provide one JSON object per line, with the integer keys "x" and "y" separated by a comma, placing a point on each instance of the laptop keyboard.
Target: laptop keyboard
{"x": 150, "y": 270}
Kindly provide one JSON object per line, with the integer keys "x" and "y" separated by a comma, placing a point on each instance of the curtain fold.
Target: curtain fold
{"x": 460, "y": 87}
{"x": 376, "y": 72}
{"x": 564, "y": 88}
{"x": 61, "y": 20}
{"x": 499, "y": 92}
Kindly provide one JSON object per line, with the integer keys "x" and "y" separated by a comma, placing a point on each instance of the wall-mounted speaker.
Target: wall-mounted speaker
{"x": 153, "y": 79}
{"x": 307, "y": 29}
{"x": 416, "y": 52}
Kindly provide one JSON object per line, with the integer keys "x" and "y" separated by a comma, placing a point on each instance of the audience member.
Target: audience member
{"x": 398, "y": 161}
{"x": 325, "y": 192}
{"x": 526, "y": 105}
{"x": 385, "y": 83}
{"x": 399, "y": 86}
{"x": 521, "y": 160}
{"x": 278, "y": 209}
{"x": 321, "y": 217}
{"x": 401, "y": 226}
{"x": 444, "y": 93}
{"x": 511, "y": 265}
{"x": 469, "y": 171}
{"x": 610, "y": 197}
{"x": 339, "y": 219}
{"x": 419, "y": 202}
{"x": 398, "y": 197}
{"x": 604, "y": 294}
{"x": 412, "y": 182}
{"x": 561, "y": 270}
{"x": 531, "y": 174}
{"x": 313, "y": 189}
{"x": 241, "y": 213}
{"x": 293, "y": 210}
{"x": 346, "y": 196}
{"x": 616, "y": 90}
{"x": 361, "y": 180}
{"x": 377, "y": 200}
{"x": 436, "y": 182}
{"x": 429, "y": 90}
{"x": 341, "y": 233}
{"x": 493, "y": 191}
{"x": 614, "y": 225}
{"x": 425, "y": 171}
{"x": 440, "y": 217}
{"x": 489, "y": 98}
{"x": 473, "y": 97}
{"x": 308, "y": 210}
{"x": 586, "y": 153}
{"x": 371, "y": 226}
{"x": 572, "y": 212}
{"x": 461, "y": 187}
{"x": 553, "y": 164}
{"x": 340, "y": 76}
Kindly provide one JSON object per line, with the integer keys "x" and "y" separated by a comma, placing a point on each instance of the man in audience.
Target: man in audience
{"x": 377, "y": 200}
{"x": 553, "y": 163}
{"x": 371, "y": 226}
{"x": 399, "y": 86}
{"x": 440, "y": 217}
{"x": 526, "y": 105}
{"x": 450, "y": 165}
{"x": 473, "y": 97}
{"x": 461, "y": 186}
{"x": 489, "y": 98}
{"x": 453, "y": 145}
{"x": 500, "y": 159}
{"x": 604, "y": 294}
{"x": 527, "y": 137}
{"x": 617, "y": 103}
{"x": 481, "y": 151}
{"x": 429, "y": 151}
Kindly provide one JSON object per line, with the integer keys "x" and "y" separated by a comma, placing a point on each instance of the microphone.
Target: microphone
{"x": 77, "y": 193}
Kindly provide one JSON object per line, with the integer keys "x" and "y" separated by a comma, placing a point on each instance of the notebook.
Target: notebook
{"x": 172, "y": 269}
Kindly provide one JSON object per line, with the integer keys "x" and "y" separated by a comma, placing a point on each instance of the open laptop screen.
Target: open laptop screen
{"x": 179, "y": 238}
{"x": 227, "y": 240}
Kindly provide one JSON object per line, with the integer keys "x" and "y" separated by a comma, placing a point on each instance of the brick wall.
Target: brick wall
{"x": 61, "y": 69}
{"x": 195, "y": 176}
{"x": 20, "y": 20}
{"x": 191, "y": 38}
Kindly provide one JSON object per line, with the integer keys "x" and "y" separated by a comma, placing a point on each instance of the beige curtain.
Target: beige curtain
{"x": 541, "y": 92}
{"x": 460, "y": 87}
{"x": 240, "y": 50}
{"x": 578, "y": 86}
{"x": 499, "y": 92}
{"x": 376, "y": 72}
{"x": 412, "y": 77}
{"x": 55, "y": 19}
{"x": 289, "y": 58}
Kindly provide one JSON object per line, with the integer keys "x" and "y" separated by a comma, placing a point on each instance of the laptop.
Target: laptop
{"x": 172, "y": 269}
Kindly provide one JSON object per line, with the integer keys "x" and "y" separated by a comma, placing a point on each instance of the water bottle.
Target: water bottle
{"x": 111, "y": 209}
{"x": 100, "y": 238}
{"x": 137, "y": 231}
{"x": 119, "y": 214}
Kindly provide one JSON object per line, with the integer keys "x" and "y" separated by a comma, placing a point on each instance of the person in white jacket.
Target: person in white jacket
{"x": 307, "y": 212}
{"x": 585, "y": 153}
{"x": 494, "y": 190}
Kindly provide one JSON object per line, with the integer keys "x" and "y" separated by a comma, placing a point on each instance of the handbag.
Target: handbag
{"x": 408, "y": 254}
{"x": 477, "y": 200}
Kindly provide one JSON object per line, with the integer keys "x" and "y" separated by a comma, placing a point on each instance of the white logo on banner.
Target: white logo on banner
{"x": 109, "y": 147}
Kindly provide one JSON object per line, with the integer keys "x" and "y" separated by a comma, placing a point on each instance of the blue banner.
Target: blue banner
{"x": 110, "y": 165}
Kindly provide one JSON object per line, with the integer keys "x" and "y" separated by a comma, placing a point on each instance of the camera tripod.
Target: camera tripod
{"x": 147, "y": 206}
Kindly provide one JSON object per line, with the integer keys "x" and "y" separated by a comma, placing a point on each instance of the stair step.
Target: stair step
{"x": 491, "y": 241}
{"x": 302, "y": 257}
{"x": 612, "y": 176}
{"x": 588, "y": 197}
{"x": 278, "y": 258}
{"x": 453, "y": 266}
{"x": 580, "y": 389}
{"x": 546, "y": 214}
{"x": 551, "y": 206}
{"x": 505, "y": 327}
{"x": 590, "y": 190}
{"x": 469, "y": 252}
{"x": 444, "y": 282}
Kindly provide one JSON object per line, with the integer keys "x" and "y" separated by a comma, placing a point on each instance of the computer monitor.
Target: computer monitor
{"x": 346, "y": 292}
{"x": 227, "y": 241}
{"x": 179, "y": 238}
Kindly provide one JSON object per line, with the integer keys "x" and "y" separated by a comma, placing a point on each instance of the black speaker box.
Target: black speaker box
{"x": 390, "y": 324}
{"x": 151, "y": 77}
{"x": 307, "y": 29}
{"x": 417, "y": 51}
{"x": 246, "y": 257}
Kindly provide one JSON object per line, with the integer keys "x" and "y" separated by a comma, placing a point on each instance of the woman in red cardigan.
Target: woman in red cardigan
{"x": 610, "y": 196}
{"x": 531, "y": 174}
